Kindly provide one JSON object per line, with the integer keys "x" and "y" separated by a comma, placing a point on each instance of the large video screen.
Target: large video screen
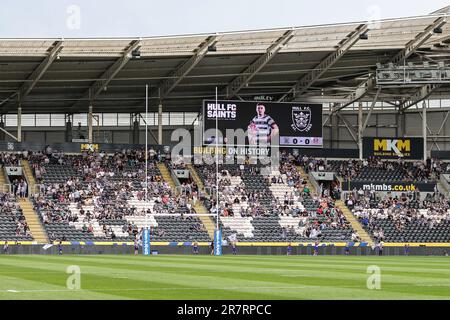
{"x": 297, "y": 124}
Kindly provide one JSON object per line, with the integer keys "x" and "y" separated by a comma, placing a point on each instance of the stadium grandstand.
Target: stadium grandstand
{"x": 363, "y": 160}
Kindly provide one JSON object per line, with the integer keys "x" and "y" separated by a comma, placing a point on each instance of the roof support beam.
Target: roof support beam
{"x": 37, "y": 73}
{"x": 420, "y": 39}
{"x": 400, "y": 57}
{"x": 9, "y": 98}
{"x": 349, "y": 127}
{"x": 9, "y": 134}
{"x": 93, "y": 91}
{"x": 113, "y": 70}
{"x": 182, "y": 71}
{"x": 421, "y": 94}
{"x": 312, "y": 76}
{"x": 148, "y": 128}
{"x": 432, "y": 135}
{"x": 359, "y": 92}
{"x": 371, "y": 109}
{"x": 242, "y": 80}
{"x": 445, "y": 9}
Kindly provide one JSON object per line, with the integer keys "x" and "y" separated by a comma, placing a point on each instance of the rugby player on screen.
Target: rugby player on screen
{"x": 262, "y": 128}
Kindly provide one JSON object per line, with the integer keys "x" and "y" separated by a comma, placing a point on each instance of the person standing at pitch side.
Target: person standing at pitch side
{"x": 262, "y": 128}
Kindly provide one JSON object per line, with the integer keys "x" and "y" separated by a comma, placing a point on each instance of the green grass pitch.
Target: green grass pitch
{"x": 224, "y": 277}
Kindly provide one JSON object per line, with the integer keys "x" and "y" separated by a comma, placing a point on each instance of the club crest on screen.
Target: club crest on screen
{"x": 301, "y": 118}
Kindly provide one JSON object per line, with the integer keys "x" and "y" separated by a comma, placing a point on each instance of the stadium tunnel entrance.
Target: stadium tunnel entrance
{"x": 15, "y": 181}
{"x": 326, "y": 183}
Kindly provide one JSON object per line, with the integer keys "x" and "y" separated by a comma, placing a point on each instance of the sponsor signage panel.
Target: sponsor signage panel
{"x": 146, "y": 242}
{"x": 89, "y": 147}
{"x": 13, "y": 171}
{"x": 218, "y": 242}
{"x": 231, "y": 150}
{"x": 393, "y": 148}
{"x": 389, "y": 186}
{"x": 183, "y": 174}
{"x": 325, "y": 176}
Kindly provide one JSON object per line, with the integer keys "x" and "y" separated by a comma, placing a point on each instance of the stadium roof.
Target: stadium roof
{"x": 326, "y": 63}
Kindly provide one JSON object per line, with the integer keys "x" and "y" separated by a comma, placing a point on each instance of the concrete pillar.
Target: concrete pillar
{"x": 334, "y": 131}
{"x": 160, "y": 123}
{"x": 135, "y": 131}
{"x": 68, "y": 133}
{"x": 401, "y": 123}
{"x": 2, "y": 125}
{"x": 424, "y": 130}
{"x": 90, "y": 124}
{"x": 19, "y": 123}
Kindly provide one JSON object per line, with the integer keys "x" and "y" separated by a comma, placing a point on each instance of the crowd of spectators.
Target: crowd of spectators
{"x": 251, "y": 198}
{"x": 326, "y": 217}
{"x": 248, "y": 201}
{"x": 107, "y": 183}
{"x": 369, "y": 207}
{"x": 10, "y": 207}
{"x": 11, "y": 159}
{"x": 352, "y": 169}
{"x": 322, "y": 216}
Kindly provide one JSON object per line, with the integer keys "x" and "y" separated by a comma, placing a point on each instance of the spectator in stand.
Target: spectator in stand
{"x": 401, "y": 210}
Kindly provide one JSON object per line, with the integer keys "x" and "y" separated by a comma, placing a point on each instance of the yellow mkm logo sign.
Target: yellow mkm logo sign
{"x": 391, "y": 146}
{"x": 89, "y": 147}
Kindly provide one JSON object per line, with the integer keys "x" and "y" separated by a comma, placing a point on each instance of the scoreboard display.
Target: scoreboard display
{"x": 296, "y": 124}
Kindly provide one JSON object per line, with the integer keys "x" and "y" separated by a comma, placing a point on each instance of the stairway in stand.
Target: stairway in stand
{"x": 441, "y": 188}
{"x": 305, "y": 176}
{"x": 33, "y": 221}
{"x": 167, "y": 176}
{"x": 365, "y": 237}
{"x": 207, "y": 221}
{"x": 2, "y": 181}
{"x": 209, "y": 224}
{"x": 356, "y": 225}
{"x": 31, "y": 216}
{"x": 198, "y": 207}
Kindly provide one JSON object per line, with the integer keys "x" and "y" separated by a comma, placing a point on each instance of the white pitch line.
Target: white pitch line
{"x": 175, "y": 288}
{"x": 432, "y": 285}
{"x": 151, "y": 289}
